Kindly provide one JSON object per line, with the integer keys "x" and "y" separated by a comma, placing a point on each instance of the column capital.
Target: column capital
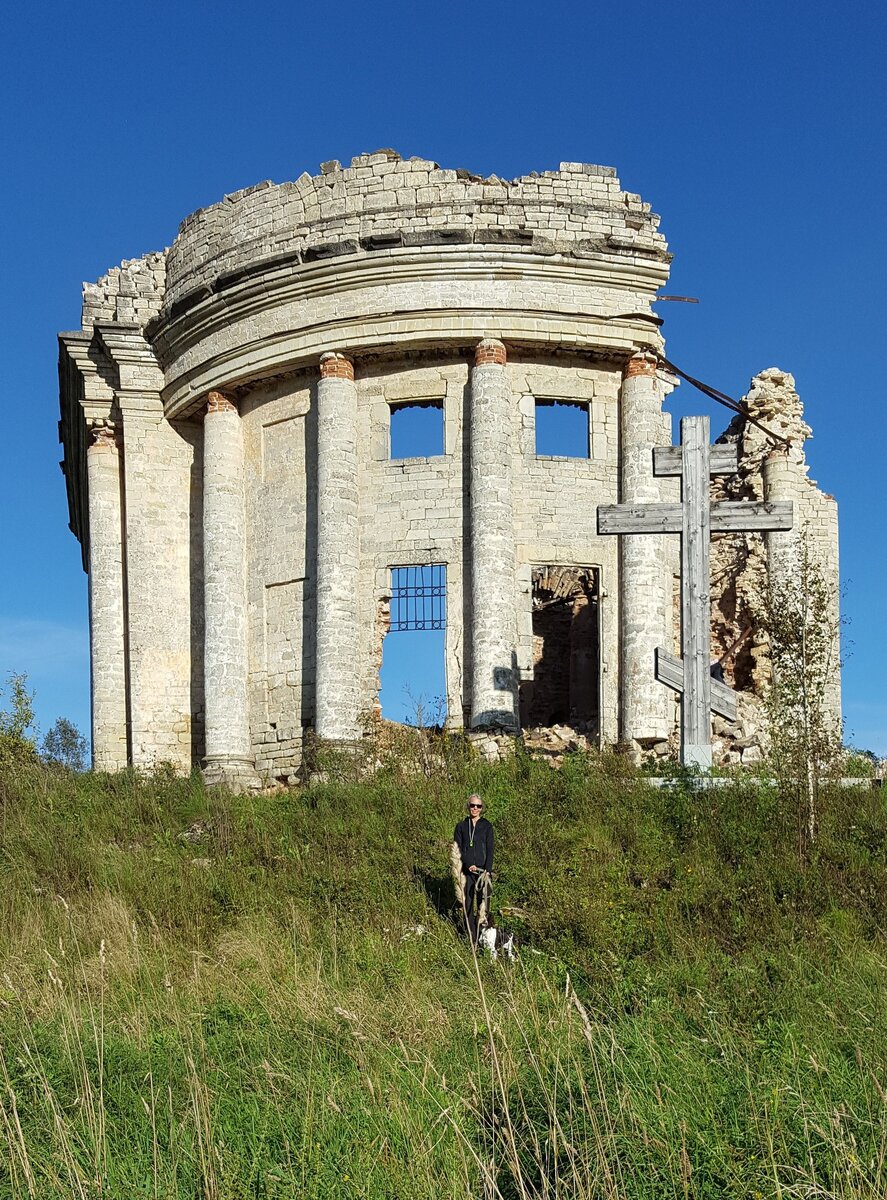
{"x": 490, "y": 350}
{"x": 102, "y": 436}
{"x": 336, "y": 366}
{"x": 219, "y": 402}
{"x": 643, "y": 363}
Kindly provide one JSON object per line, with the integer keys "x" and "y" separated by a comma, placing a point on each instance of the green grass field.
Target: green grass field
{"x": 221, "y": 998}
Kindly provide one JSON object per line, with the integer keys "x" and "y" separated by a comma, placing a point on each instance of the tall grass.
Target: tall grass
{"x": 221, "y": 997}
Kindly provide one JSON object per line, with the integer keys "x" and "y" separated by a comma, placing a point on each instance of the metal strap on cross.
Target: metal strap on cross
{"x": 695, "y": 519}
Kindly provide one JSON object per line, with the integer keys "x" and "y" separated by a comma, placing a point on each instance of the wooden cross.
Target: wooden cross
{"x": 695, "y": 519}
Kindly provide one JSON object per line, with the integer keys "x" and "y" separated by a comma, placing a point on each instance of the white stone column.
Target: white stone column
{"x": 230, "y": 761}
{"x": 107, "y": 605}
{"x": 493, "y": 569}
{"x": 783, "y": 477}
{"x": 338, "y": 553}
{"x": 645, "y": 594}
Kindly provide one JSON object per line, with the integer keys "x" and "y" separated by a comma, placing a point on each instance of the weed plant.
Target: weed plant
{"x": 267, "y": 997}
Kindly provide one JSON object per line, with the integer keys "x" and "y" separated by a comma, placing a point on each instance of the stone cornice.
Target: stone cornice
{"x": 79, "y": 354}
{"x": 402, "y": 302}
{"x": 282, "y": 280}
{"x": 612, "y": 249}
{"x": 139, "y": 375}
{"x": 430, "y": 330}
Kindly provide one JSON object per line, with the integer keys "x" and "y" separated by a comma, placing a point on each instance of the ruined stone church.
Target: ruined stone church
{"x": 251, "y": 534}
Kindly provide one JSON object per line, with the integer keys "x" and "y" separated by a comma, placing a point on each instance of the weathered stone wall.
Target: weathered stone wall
{"x": 382, "y": 201}
{"x": 412, "y": 511}
{"x": 161, "y": 560}
{"x": 311, "y": 308}
{"x": 131, "y": 294}
{"x": 346, "y": 263}
{"x": 165, "y": 693}
{"x": 556, "y": 501}
{"x": 279, "y": 424}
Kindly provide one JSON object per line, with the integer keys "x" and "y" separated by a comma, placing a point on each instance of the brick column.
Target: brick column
{"x": 338, "y": 645}
{"x": 107, "y": 604}
{"x": 229, "y": 759}
{"x": 493, "y": 571}
{"x": 645, "y": 596}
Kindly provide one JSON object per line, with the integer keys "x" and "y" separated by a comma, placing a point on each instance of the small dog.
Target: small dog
{"x": 496, "y": 941}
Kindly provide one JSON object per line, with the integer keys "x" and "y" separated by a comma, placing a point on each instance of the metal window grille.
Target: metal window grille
{"x": 418, "y": 597}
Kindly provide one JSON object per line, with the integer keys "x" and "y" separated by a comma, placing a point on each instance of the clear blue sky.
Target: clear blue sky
{"x": 756, "y": 130}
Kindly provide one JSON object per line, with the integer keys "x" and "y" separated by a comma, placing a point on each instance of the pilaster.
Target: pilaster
{"x": 107, "y": 601}
{"x": 157, "y": 462}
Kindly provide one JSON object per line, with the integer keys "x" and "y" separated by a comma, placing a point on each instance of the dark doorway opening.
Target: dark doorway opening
{"x": 565, "y": 688}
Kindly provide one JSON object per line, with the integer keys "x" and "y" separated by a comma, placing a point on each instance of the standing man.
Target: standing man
{"x": 473, "y": 838}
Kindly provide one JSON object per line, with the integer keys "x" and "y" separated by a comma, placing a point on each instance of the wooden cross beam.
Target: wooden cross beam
{"x": 670, "y": 671}
{"x": 695, "y": 519}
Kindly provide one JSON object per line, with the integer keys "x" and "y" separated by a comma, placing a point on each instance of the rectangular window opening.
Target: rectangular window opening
{"x": 562, "y": 428}
{"x": 412, "y": 677}
{"x": 417, "y": 429}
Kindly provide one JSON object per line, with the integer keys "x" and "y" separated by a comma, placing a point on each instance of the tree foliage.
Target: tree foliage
{"x": 65, "y": 745}
{"x": 16, "y": 721}
{"x": 805, "y": 734}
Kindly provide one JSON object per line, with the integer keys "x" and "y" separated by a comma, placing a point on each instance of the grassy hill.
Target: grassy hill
{"x": 266, "y": 997}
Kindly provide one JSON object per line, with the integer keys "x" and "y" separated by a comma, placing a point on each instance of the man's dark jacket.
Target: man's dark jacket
{"x": 480, "y": 854}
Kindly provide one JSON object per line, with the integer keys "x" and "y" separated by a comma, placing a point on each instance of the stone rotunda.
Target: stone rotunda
{"x": 249, "y": 535}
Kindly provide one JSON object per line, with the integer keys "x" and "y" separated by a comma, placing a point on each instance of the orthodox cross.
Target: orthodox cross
{"x": 695, "y": 519}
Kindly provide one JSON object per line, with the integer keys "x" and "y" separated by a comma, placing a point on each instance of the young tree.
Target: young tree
{"x": 65, "y": 745}
{"x": 16, "y": 721}
{"x": 805, "y": 733}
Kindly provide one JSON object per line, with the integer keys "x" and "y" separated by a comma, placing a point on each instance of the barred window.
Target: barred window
{"x": 418, "y": 597}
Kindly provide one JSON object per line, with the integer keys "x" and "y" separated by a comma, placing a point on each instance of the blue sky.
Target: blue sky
{"x": 756, "y": 130}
